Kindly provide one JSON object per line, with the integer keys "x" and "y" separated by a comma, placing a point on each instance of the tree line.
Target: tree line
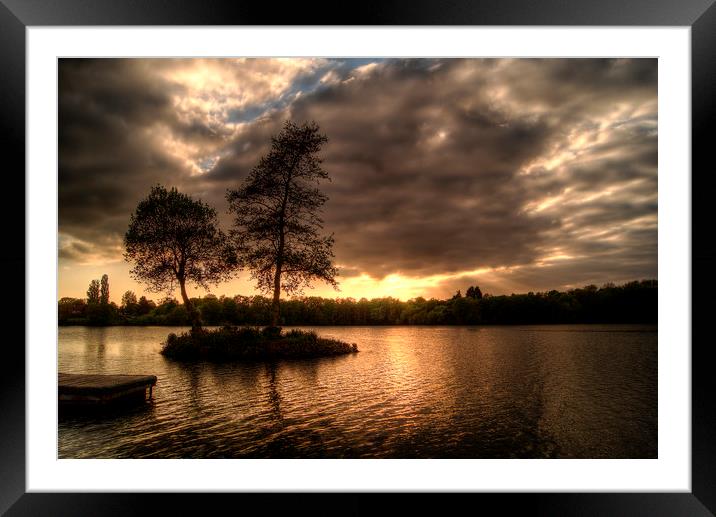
{"x": 633, "y": 302}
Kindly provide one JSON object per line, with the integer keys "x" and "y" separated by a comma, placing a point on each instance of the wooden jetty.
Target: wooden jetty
{"x": 100, "y": 390}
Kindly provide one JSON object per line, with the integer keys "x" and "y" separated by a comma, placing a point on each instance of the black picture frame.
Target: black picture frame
{"x": 16, "y": 15}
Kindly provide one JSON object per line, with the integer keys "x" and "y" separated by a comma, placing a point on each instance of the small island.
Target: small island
{"x": 277, "y": 236}
{"x": 251, "y": 343}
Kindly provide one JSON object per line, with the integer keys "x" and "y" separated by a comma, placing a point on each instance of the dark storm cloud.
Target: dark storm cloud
{"x": 437, "y": 166}
{"x": 127, "y": 124}
{"x": 107, "y": 110}
{"x": 426, "y": 165}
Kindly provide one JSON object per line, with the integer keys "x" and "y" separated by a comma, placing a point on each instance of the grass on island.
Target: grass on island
{"x": 247, "y": 343}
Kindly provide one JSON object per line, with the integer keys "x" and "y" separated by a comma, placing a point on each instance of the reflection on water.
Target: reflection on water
{"x": 578, "y": 391}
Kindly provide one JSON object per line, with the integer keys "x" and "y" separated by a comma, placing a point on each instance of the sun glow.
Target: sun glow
{"x": 404, "y": 287}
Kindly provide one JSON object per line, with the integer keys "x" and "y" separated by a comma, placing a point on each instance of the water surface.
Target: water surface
{"x": 553, "y": 391}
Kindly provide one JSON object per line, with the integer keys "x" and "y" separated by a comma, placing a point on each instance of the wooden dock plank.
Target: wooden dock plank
{"x": 100, "y": 389}
{"x": 72, "y": 382}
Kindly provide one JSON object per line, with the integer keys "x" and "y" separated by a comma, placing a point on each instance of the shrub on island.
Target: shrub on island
{"x": 250, "y": 343}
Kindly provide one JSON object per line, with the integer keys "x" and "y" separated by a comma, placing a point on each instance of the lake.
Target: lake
{"x": 552, "y": 391}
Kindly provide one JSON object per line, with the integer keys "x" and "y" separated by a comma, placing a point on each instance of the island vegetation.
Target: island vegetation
{"x": 250, "y": 343}
{"x": 277, "y": 236}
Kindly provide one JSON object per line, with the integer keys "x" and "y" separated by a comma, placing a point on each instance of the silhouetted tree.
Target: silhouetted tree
{"x": 129, "y": 303}
{"x": 129, "y": 298}
{"x": 474, "y": 292}
{"x": 68, "y": 308}
{"x": 104, "y": 290}
{"x": 145, "y": 306}
{"x": 277, "y": 216}
{"x": 99, "y": 311}
{"x": 173, "y": 239}
{"x": 210, "y": 309}
{"x": 93, "y": 295}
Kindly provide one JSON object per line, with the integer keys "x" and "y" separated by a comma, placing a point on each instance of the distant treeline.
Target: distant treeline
{"x": 633, "y": 302}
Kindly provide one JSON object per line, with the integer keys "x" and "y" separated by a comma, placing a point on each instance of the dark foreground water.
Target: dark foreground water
{"x": 557, "y": 391}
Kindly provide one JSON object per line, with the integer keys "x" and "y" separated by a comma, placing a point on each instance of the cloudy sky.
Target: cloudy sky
{"x": 514, "y": 174}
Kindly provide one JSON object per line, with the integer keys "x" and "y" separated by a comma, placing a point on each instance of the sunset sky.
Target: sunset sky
{"x": 513, "y": 174}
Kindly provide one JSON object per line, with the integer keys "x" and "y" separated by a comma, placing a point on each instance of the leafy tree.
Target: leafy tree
{"x": 104, "y": 290}
{"x": 211, "y": 310}
{"x": 277, "y": 216}
{"x": 129, "y": 303}
{"x": 167, "y": 303}
{"x": 93, "y": 295}
{"x": 474, "y": 292}
{"x": 173, "y": 239}
{"x": 129, "y": 299}
{"x": 68, "y": 308}
{"x": 145, "y": 306}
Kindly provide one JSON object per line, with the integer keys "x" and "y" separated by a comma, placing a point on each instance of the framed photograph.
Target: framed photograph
{"x": 485, "y": 218}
